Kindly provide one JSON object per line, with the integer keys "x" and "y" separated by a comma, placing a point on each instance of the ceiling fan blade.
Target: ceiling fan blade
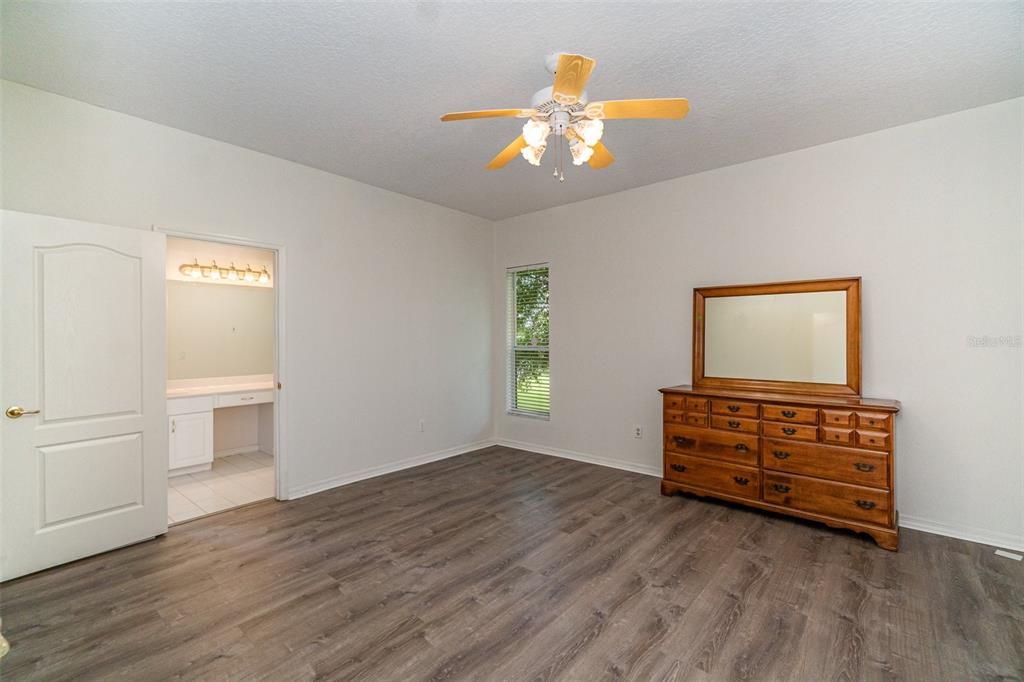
{"x": 638, "y": 108}
{"x": 602, "y": 158}
{"x": 571, "y": 76}
{"x": 507, "y": 154}
{"x": 489, "y": 113}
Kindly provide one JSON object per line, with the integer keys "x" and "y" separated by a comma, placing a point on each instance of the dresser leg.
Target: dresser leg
{"x": 667, "y": 490}
{"x": 886, "y": 539}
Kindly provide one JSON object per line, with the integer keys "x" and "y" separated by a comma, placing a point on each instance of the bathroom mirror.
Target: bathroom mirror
{"x": 790, "y": 336}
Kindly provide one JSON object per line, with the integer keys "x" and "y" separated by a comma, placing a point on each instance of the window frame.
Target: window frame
{"x": 511, "y": 348}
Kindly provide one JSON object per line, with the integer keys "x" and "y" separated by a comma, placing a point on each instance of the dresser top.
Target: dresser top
{"x": 788, "y": 398}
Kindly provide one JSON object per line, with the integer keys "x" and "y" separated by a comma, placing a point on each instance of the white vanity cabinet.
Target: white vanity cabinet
{"x": 190, "y": 427}
{"x": 190, "y": 423}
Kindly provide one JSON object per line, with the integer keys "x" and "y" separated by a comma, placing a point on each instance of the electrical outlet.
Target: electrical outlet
{"x": 638, "y": 431}
{"x": 423, "y": 425}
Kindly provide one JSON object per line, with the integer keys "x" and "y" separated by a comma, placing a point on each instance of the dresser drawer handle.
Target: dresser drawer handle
{"x": 780, "y": 454}
{"x": 788, "y": 414}
{"x": 861, "y": 466}
{"x": 788, "y": 430}
{"x": 741, "y": 480}
{"x": 734, "y": 424}
{"x": 741, "y": 447}
{"x": 678, "y": 467}
{"x": 684, "y": 442}
{"x": 733, "y": 408}
{"x": 779, "y": 488}
{"x": 865, "y": 504}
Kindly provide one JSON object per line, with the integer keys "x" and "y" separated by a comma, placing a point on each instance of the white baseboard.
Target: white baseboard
{"x": 979, "y": 535}
{"x": 371, "y": 472}
{"x": 237, "y": 451}
{"x": 1004, "y": 540}
{"x": 646, "y": 469}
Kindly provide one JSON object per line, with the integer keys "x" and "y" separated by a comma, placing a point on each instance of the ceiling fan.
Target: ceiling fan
{"x": 564, "y": 111}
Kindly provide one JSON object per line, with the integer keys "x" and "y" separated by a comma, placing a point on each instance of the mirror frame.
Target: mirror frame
{"x": 851, "y": 285}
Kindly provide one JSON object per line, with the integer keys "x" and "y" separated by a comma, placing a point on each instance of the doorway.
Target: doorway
{"x": 222, "y": 375}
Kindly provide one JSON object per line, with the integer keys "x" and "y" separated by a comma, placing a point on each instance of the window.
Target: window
{"x": 529, "y": 367}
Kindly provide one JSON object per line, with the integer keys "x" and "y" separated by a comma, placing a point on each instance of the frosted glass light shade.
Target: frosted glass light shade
{"x": 581, "y": 153}
{"x": 590, "y": 130}
{"x": 533, "y": 154}
{"x": 536, "y": 132}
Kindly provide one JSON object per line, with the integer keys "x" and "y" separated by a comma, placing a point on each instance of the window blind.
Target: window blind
{"x": 529, "y": 366}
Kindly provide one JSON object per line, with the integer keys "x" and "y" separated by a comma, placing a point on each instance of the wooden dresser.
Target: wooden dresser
{"x": 819, "y": 457}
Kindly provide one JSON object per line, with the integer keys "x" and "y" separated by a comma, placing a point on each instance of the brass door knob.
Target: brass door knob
{"x": 15, "y": 411}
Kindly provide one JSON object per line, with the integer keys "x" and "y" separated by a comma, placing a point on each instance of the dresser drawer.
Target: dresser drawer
{"x": 876, "y": 440}
{"x": 720, "y": 421}
{"x": 694, "y": 419}
{"x": 695, "y": 404}
{"x": 874, "y": 421}
{"x": 794, "y": 431}
{"x": 735, "y": 408}
{"x": 673, "y": 401}
{"x": 712, "y": 475}
{"x": 839, "y": 464}
{"x": 789, "y": 413}
{"x": 740, "y": 448}
{"x": 838, "y": 418}
{"x": 673, "y": 417}
{"x": 236, "y": 399}
{"x": 836, "y": 436}
{"x": 840, "y": 500}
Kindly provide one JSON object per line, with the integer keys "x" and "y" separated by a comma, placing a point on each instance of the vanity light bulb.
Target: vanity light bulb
{"x": 214, "y": 271}
{"x": 250, "y": 276}
{"x": 264, "y": 276}
{"x": 232, "y": 273}
{"x": 195, "y": 271}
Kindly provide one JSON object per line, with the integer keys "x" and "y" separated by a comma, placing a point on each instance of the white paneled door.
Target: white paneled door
{"x": 82, "y": 385}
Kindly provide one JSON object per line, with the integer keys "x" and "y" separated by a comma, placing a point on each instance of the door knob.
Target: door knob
{"x": 15, "y": 411}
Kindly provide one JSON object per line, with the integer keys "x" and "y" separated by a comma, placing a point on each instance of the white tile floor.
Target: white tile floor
{"x": 234, "y": 480}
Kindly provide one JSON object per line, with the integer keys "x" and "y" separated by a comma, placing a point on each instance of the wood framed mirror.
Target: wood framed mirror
{"x": 791, "y": 337}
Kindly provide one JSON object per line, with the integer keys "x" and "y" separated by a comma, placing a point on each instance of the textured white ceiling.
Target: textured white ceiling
{"x": 356, "y": 88}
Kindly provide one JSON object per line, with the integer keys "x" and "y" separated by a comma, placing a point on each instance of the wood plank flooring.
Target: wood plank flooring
{"x": 508, "y": 565}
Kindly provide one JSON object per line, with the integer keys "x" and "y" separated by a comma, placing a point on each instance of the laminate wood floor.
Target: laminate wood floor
{"x": 507, "y": 565}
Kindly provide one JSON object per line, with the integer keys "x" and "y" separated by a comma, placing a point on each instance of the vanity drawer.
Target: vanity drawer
{"x": 839, "y": 464}
{"x": 840, "y": 500}
{"x": 251, "y": 398}
{"x": 740, "y": 448}
{"x": 202, "y": 403}
{"x": 875, "y": 440}
{"x": 735, "y": 408}
{"x": 789, "y": 413}
{"x": 694, "y": 419}
{"x": 740, "y": 424}
{"x": 673, "y": 417}
{"x": 673, "y": 401}
{"x": 712, "y": 475}
{"x": 837, "y": 418}
{"x": 874, "y": 421}
{"x": 794, "y": 431}
{"x": 836, "y": 436}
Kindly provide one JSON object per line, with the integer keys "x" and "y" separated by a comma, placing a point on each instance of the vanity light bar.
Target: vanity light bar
{"x": 195, "y": 270}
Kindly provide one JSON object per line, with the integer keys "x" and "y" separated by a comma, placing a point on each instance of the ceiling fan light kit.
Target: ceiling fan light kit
{"x": 564, "y": 111}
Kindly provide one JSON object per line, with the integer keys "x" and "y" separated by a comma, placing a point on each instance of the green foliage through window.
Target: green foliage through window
{"x": 529, "y": 360}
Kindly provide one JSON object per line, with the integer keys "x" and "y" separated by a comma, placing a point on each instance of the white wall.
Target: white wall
{"x": 929, "y": 214}
{"x": 369, "y": 351}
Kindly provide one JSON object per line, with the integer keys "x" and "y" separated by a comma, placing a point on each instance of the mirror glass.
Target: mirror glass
{"x": 219, "y": 330}
{"x": 777, "y": 337}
